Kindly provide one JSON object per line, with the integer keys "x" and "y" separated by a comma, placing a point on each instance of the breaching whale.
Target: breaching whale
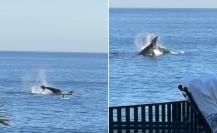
{"x": 56, "y": 91}
{"x": 153, "y": 49}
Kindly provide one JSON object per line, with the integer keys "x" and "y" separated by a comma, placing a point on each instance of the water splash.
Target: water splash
{"x": 41, "y": 80}
{"x": 142, "y": 40}
{"x": 32, "y": 82}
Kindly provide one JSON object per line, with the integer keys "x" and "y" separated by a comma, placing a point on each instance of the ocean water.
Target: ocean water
{"x": 83, "y": 73}
{"x": 136, "y": 79}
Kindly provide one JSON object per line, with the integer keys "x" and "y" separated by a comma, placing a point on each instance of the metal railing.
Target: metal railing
{"x": 167, "y": 117}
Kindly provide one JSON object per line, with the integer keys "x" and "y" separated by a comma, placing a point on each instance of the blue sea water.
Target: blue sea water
{"x": 136, "y": 79}
{"x": 83, "y": 73}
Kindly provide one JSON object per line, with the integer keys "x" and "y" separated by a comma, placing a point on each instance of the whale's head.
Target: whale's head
{"x": 43, "y": 87}
{"x": 71, "y": 92}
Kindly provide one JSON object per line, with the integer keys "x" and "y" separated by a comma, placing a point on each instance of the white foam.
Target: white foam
{"x": 157, "y": 52}
{"x": 142, "y": 40}
{"x": 36, "y": 88}
{"x": 177, "y": 52}
{"x": 65, "y": 98}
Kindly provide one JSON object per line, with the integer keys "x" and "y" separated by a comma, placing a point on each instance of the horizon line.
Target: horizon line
{"x": 162, "y": 7}
{"x": 53, "y": 51}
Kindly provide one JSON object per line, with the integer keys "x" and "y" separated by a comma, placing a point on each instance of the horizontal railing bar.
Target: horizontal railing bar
{"x": 150, "y": 123}
{"x": 163, "y": 131}
{"x": 148, "y": 104}
{"x": 149, "y": 127}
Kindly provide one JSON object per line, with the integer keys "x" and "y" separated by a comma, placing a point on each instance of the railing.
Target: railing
{"x": 168, "y": 117}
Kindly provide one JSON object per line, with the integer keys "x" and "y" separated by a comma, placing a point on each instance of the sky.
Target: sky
{"x": 163, "y": 3}
{"x": 54, "y": 25}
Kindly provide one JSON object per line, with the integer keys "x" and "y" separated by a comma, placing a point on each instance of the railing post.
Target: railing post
{"x": 127, "y": 119}
{"x": 111, "y": 120}
{"x": 161, "y": 117}
{"x": 150, "y": 117}
{"x": 143, "y": 111}
{"x": 136, "y": 118}
{"x": 119, "y": 120}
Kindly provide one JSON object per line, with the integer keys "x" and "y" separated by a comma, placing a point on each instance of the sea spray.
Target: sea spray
{"x": 143, "y": 39}
{"x": 177, "y": 52}
{"x": 41, "y": 80}
{"x": 33, "y": 80}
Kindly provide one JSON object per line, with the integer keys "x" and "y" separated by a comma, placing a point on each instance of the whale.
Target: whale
{"x": 5, "y": 121}
{"x": 56, "y": 91}
{"x": 152, "y": 49}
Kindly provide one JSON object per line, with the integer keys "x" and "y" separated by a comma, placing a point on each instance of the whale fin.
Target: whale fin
{"x": 153, "y": 49}
{"x": 148, "y": 50}
{"x": 5, "y": 121}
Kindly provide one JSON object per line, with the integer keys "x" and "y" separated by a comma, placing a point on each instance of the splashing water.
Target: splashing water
{"x": 142, "y": 40}
{"x": 177, "y": 52}
{"x": 36, "y": 88}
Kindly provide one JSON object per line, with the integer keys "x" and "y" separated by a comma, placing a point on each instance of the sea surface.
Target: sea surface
{"x": 190, "y": 33}
{"x": 83, "y": 73}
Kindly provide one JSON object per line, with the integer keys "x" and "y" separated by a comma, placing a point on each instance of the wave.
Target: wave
{"x": 177, "y": 52}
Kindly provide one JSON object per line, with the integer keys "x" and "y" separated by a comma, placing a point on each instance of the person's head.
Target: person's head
{"x": 43, "y": 87}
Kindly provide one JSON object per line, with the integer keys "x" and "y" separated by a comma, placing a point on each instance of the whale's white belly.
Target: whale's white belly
{"x": 157, "y": 52}
{"x": 38, "y": 90}
{"x": 46, "y": 92}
